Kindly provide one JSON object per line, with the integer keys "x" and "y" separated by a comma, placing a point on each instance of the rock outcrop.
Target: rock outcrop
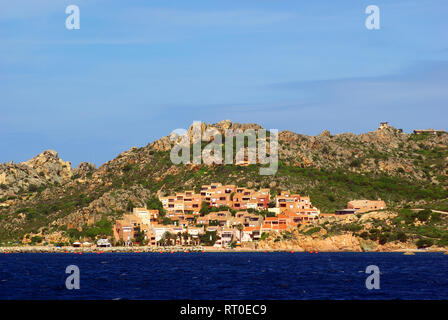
{"x": 42, "y": 170}
{"x": 113, "y": 203}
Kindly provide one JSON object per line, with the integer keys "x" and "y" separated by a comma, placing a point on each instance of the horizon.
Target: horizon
{"x": 133, "y": 73}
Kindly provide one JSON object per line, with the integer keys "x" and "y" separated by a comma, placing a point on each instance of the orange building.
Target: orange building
{"x": 217, "y": 195}
{"x": 274, "y": 224}
{"x": 181, "y": 203}
{"x": 361, "y": 206}
{"x": 304, "y": 217}
{"x": 295, "y": 203}
{"x": 244, "y": 199}
{"x": 128, "y": 228}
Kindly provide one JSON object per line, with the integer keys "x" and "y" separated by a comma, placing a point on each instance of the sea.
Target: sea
{"x": 230, "y": 275}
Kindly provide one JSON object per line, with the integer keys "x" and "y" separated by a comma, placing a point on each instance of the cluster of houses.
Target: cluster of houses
{"x": 233, "y": 215}
{"x": 239, "y": 222}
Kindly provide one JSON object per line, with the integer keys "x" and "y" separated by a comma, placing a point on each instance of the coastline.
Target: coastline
{"x": 203, "y": 249}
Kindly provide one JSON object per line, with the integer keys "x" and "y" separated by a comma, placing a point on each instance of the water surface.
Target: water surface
{"x": 224, "y": 276}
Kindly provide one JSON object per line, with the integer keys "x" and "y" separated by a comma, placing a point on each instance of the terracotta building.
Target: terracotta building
{"x": 361, "y": 206}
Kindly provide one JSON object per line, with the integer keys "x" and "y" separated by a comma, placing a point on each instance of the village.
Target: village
{"x": 223, "y": 216}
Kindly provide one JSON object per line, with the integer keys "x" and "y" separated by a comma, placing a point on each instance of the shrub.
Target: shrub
{"x": 311, "y": 231}
{"x": 33, "y": 188}
{"x": 287, "y": 235}
{"x": 364, "y": 235}
{"x": 128, "y": 167}
{"x": 401, "y": 236}
{"x": 36, "y": 239}
{"x": 384, "y": 237}
{"x": 424, "y": 243}
{"x": 264, "y": 236}
{"x": 429, "y": 231}
{"x": 355, "y": 163}
{"x": 436, "y": 217}
{"x": 353, "y": 227}
{"x": 443, "y": 242}
{"x": 74, "y": 233}
{"x": 424, "y": 215}
{"x": 101, "y": 228}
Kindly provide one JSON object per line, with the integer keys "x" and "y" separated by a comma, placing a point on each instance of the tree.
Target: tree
{"x": 173, "y": 238}
{"x": 208, "y": 238}
{"x": 185, "y": 235}
{"x": 140, "y": 237}
{"x": 221, "y": 208}
{"x": 270, "y": 214}
{"x": 205, "y": 209}
{"x": 213, "y": 223}
{"x": 166, "y": 238}
{"x": 130, "y": 206}
{"x": 240, "y": 227}
{"x": 155, "y": 204}
{"x": 166, "y": 221}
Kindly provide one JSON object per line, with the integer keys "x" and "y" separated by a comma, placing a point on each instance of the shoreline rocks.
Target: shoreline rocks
{"x": 173, "y": 249}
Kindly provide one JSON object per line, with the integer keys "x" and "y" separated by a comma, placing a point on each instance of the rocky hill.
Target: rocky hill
{"x": 45, "y": 195}
{"x": 42, "y": 170}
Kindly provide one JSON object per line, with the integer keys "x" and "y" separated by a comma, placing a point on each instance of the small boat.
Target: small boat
{"x": 409, "y": 253}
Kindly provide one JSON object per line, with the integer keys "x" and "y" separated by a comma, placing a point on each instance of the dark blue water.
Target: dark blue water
{"x": 224, "y": 276}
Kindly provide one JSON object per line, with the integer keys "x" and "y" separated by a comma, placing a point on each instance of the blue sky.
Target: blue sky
{"x": 136, "y": 70}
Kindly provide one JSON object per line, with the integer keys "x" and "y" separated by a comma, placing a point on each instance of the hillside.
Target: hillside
{"x": 46, "y": 195}
{"x": 388, "y": 230}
